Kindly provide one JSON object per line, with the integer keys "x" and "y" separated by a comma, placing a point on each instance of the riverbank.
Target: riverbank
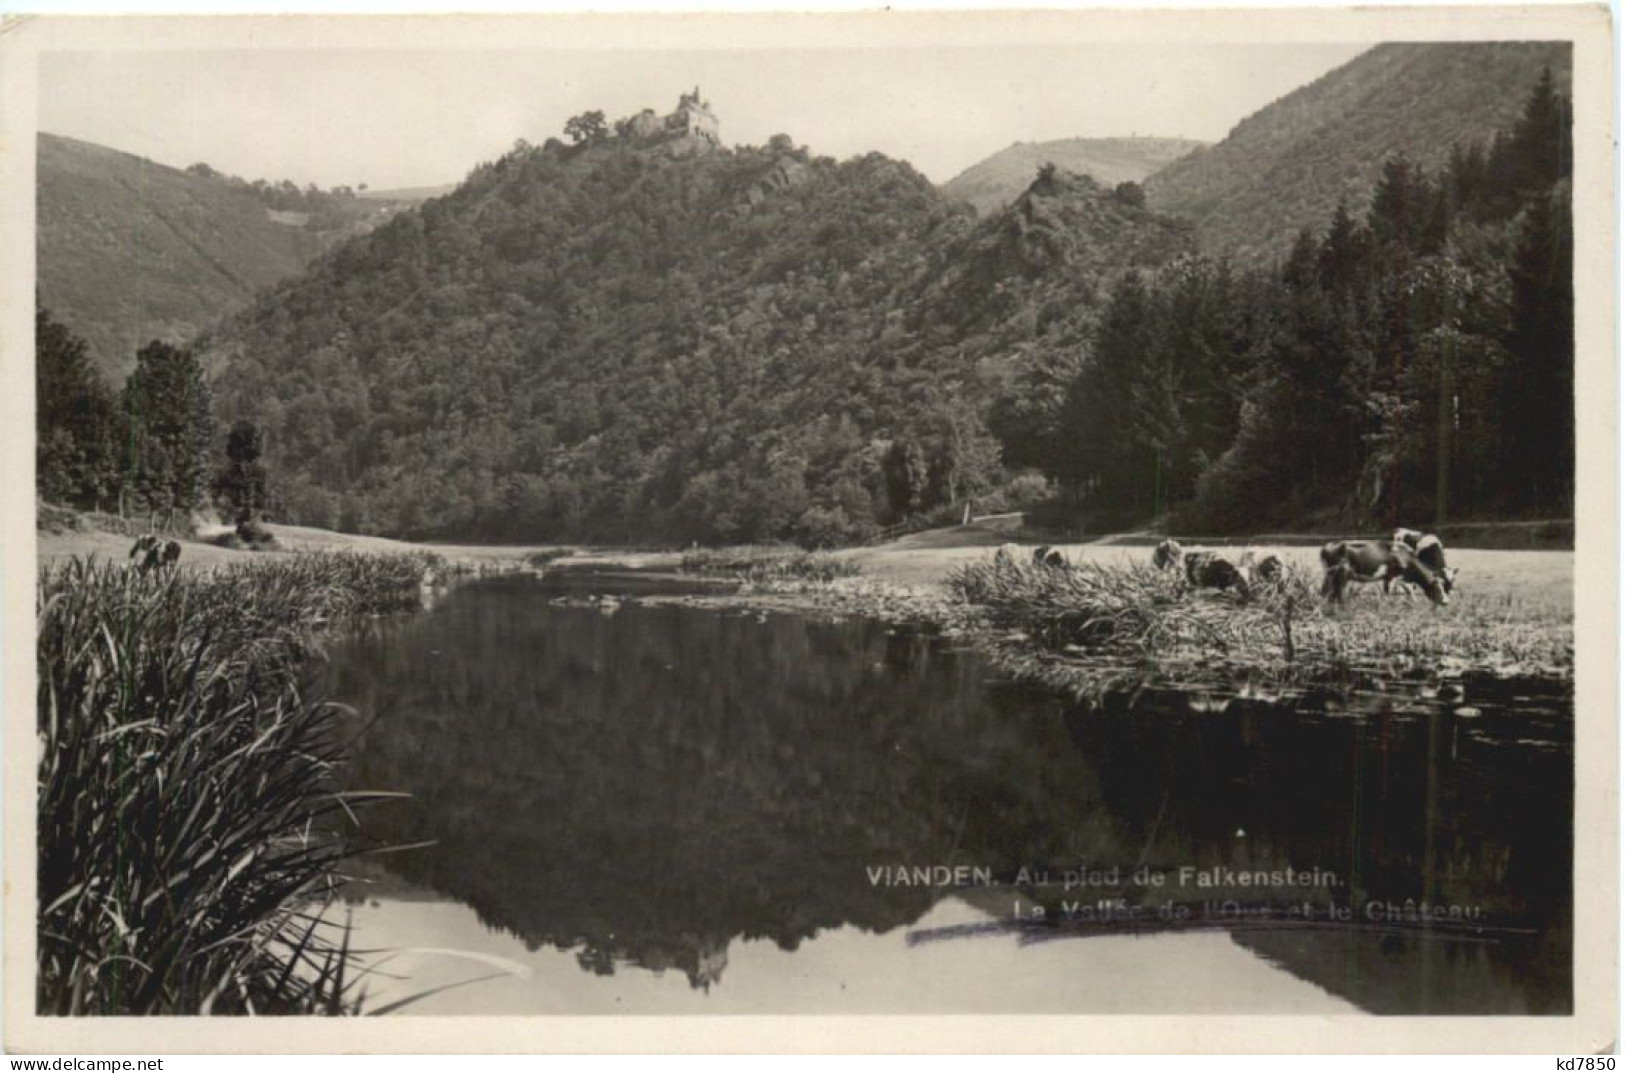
{"x": 1512, "y": 609}
{"x": 191, "y": 822}
{"x": 1538, "y": 583}
{"x": 1098, "y": 626}
{"x": 1112, "y": 622}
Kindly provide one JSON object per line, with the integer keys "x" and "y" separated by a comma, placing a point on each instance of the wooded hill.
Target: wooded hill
{"x": 991, "y": 184}
{"x": 1410, "y": 363}
{"x": 647, "y": 337}
{"x": 129, "y": 250}
{"x": 1289, "y": 165}
{"x": 634, "y": 339}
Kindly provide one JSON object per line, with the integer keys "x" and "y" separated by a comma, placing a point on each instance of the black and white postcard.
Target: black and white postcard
{"x": 612, "y": 532}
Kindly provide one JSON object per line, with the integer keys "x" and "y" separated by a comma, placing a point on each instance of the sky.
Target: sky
{"x": 403, "y": 118}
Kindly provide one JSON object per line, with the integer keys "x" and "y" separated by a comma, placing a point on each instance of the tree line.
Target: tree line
{"x": 1412, "y": 363}
{"x": 149, "y": 448}
{"x": 286, "y": 195}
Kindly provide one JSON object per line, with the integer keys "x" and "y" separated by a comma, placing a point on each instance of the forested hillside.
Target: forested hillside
{"x": 647, "y": 337}
{"x": 637, "y": 338}
{"x": 1291, "y": 164}
{"x": 991, "y": 184}
{"x": 1410, "y": 362}
{"x": 130, "y": 251}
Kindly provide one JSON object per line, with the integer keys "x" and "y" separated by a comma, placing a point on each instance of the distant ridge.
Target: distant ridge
{"x": 129, "y": 250}
{"x": 1288, "y": 165}
{"x": 997, "y": 181}
{"x": 411, "y": 195}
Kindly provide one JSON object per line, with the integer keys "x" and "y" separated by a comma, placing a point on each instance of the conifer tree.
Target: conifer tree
{"x": 243, "y": 481}
{"x": 166, "y": 404}
{"x": 76, "y": 429}
{"x": 1538, "y": 390}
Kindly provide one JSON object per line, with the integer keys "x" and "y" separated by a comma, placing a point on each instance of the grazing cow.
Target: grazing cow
{"x": 1429, "y": 551}
{"x": 150, "y": 553}
{"x": 1167, "y": 555}
{"x": 1006, "y": 555}
{"x": 1349, "y": 562}
{"x": 1209, "y": 570}
{"x": 1044, "y": 555}
{"x": 1269, "y": 570}
{"x": 146, "y": 552}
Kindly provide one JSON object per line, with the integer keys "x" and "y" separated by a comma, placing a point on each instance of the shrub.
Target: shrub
{"x": 546, "y": 556}
{"x": 255, "y": 535}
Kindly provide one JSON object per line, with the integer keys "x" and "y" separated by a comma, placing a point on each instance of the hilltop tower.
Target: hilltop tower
{"x": 695, "y": 118}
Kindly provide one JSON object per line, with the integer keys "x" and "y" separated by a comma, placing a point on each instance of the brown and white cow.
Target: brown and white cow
{"x": 1210, "y": 570}
{"x": 1269, "y": 570}
{"x": 1429, "y": 551}
{"x": 1044, "y": 555}
{"x": 1167, "y": 555}
{"x": 151, "y": 553}
{"x": 1349, "y": 562}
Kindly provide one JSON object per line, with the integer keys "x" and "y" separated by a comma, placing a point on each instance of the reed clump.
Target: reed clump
{"x": 191, "y": 822}
{"x": 1103, "y": 617}
{"x": 761, "y": 563}
{"x": 1129, "y": 609}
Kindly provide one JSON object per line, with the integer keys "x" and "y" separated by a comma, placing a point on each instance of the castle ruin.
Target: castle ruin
{"x": 694, "y": 118}
{"x": 691, "y": 128}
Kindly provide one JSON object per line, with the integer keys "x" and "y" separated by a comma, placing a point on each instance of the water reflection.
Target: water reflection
{"x": 663, "y": 786}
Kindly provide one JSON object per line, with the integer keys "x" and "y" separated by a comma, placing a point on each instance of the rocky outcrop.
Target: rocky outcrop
{"x": 783, "y": 174}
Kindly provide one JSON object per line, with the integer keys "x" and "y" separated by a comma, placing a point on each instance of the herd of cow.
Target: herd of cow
{"x": 1409, "y": 557}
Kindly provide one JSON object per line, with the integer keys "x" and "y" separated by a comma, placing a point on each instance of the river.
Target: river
{"x": 640, "y": 808}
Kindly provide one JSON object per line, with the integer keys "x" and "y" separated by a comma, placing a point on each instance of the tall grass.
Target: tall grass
{"x": 1116, "y": 622}
{"x": 1132, "y": 608}
{"x": 191, "y": 821}
{"x": 757, "y": 563}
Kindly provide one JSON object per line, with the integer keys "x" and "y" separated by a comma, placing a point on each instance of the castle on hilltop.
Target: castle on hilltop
{"x": 693, "y": 118}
